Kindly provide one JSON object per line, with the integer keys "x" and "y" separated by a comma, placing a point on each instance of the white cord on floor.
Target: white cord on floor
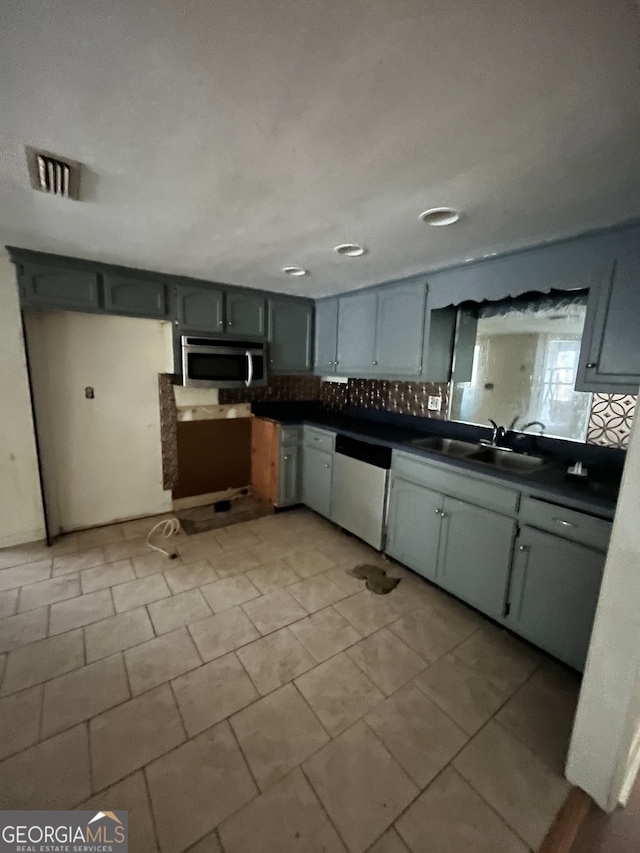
{"x": 168, "y": 527}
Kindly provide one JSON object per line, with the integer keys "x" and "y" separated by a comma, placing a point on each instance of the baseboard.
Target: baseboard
{"x": 568, "y": 821}
{"x": 24, "y": 538}
{"x": 208, "y": 498}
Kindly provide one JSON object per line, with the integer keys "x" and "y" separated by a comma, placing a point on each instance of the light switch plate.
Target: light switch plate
{"x": 434, "y": 404}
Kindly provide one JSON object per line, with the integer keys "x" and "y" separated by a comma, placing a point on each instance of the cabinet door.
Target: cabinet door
{"x": 246, "y": 314}
{"x": 610, "y": 351}
{"x": 357, "y": 335}
{"x": 400, "y": 329}
{"x": 326, "y": 337}
{"x": 290, "y": 336}
{"x": 316, "y": 480}
{"x": 53, "y": 287}
{"x": 288, "y": 482}
{"x": 475, "y": 555}
{"x": 200, "y": 308}
{"x": 553, "y": 594}
{"x": 134, "y": 296}
{"x": 413, "y": 526}
{"x": 439, "y": 337}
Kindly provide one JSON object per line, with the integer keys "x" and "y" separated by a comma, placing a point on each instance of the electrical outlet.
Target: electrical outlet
{"x": 434, "y": 404}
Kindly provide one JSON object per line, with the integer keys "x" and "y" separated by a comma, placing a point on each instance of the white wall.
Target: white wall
{"x": 605, "y": 734}
{"x": 21, "y": 518}
{"x": 101, "y": 457}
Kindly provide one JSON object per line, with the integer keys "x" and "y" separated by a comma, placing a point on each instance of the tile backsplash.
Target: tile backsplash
{"x": 280, "y": 389}
{"x": 610, "y": 419}
{"x": 609, "y": 422}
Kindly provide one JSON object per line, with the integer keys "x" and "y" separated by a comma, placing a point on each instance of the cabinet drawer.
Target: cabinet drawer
{"x": 578, "y": 526}
{"x": 456, "y": 484}
{"x": 290, "y": 434}
{"x": 319, "y": 438}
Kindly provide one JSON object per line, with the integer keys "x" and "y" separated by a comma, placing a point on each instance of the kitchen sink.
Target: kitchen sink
{"x": 507, "y": 460}
{"x": 448, "y": 446}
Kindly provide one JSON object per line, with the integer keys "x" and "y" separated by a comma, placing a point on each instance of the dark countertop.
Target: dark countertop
{"x": 598, "y": 493}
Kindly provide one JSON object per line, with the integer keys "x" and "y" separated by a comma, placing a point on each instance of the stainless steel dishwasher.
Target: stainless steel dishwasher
{"x": 359, "y": 489}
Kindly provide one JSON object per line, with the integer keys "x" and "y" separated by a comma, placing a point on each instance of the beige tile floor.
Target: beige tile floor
{"x": 250, "y": 695}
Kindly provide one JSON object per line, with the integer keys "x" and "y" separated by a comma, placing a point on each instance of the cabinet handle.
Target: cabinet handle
{"x": 326, "y": 464}
{"x": 443, "y": 515}
{"x": 375, "y": 363}
{"x": 564, "y": 523}
{"x": 438, "y": 512}
{"x": 592, "y": 364}
{"x": 229, "y": 323}
{"x": 523, "y": 548}
{"x": 286, "y": 458}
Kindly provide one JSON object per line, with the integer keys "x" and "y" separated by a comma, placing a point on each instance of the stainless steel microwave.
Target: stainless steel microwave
{"x": 222, "y": 363}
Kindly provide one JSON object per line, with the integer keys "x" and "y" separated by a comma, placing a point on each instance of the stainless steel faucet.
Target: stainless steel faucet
{"x": 534, "y": 423}
{"x": 499, "y": 433}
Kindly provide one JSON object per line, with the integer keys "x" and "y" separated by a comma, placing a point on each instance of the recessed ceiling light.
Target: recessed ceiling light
{"x": 437, "y": 216}
{"x": 295, "y": 271}
{"x": 350, "y": 250}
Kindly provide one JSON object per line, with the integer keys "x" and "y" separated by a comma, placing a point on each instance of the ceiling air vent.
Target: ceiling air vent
{"x": 51, "y": 174}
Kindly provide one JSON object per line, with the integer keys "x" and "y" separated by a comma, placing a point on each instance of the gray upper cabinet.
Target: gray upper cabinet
{"x": 200, "y": 308}
{"x": 246, "y": 314}
{"x": 326, "y": 338}
{"x": 400, "y": 329}
{"x": 381, "y": 332}
{"x": 55, "y": 287}
{"x": 290, "y": 335}
{"x": 610, "y": 352}
{"x": 553, "y": 594}
{"x": 134, "y": 296}
{"x": 439, "y": 339}
{"x": 475, "y": 555}
{"x": 357, "y": 317}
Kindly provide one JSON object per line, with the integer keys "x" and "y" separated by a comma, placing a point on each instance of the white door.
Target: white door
{"x": 100, "y": 458}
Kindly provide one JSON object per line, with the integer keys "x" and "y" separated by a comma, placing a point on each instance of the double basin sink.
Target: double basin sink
{"x": 495, "y": 457}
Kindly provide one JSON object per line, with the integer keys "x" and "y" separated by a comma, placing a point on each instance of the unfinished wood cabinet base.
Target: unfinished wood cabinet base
{"x": 265, "y": 443}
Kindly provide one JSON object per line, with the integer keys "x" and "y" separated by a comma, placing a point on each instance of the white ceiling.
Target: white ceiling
{"x": 225, "y": 139}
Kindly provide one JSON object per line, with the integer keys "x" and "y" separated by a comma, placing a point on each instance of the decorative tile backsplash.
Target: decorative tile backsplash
{"x": 281, "y": 389}
{"x": 610, "y": 419}
{"x": 168, "y": 429}
{"x": 609, "y": 423}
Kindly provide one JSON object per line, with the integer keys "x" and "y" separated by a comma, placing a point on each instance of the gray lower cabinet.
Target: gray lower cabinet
{"x": 289, "y": 476}
{"x": 289, "y": 473}
{"x": 475, "y": 555}
{"x": 134, "y": 296}
{"x": 464, "y": 548}
{"x": 290, "y": 336}
{"x": 317, "y": 468}
{"x": 357, "y": 334}
{"x": 400, "y": 329}
{"x": 413, "y": 526}
{"x": 326, "y": 337}
{"x": 55, "y": 287}
{"x": 508, "y": 561}
{"x": 553, "y": 593}
{"x": 200, "y": 308}
{"x": 246, "y": 314}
